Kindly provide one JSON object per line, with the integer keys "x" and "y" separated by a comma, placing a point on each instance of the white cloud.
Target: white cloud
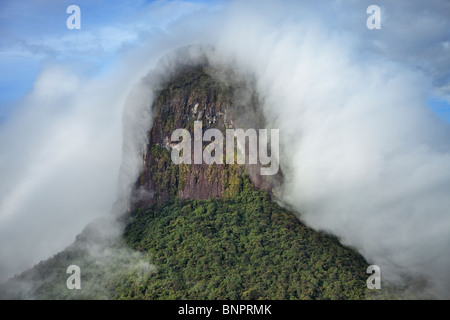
{"x": 62, "y": 147}
{"x": 66, "y": 134}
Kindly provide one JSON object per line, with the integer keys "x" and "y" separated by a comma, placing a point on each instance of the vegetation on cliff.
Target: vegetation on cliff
{"x": 242, "y": 247}
{"x": 205, "y": 232}
{"x": 245, "y": 247}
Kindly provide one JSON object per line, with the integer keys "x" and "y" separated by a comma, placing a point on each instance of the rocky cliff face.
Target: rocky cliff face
{"x": 195, "y": 94}
{"x": 197, "y": 245}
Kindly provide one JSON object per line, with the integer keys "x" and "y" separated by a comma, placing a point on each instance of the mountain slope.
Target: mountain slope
{"x": 199, "y": 231}
{"x": 245, "y": 247}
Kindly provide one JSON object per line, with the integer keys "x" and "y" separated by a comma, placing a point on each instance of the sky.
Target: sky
{"x": 363, "y": 115}
{"x": 63, "y": 93}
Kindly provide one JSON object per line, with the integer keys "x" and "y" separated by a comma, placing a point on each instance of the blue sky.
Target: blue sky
{"x": 34, "y": 34}
{"x": 441, "y": 107}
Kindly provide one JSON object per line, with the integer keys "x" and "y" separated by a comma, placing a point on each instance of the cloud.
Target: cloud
{"x": 58, "y": 140}
{"x": 62, "y": 148}
{"x": 365, "y": 159}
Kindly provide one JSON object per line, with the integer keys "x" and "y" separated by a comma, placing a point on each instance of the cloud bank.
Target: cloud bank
{"x": 367, "y": 159}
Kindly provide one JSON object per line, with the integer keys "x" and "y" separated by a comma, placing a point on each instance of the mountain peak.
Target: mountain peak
{"x": 196, "y": 94}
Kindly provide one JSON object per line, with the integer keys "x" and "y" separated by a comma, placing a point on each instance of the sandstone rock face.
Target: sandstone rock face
{"x": 194, "y": 94}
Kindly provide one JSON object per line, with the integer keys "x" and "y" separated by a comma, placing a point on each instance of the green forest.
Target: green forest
{"x": 245, "y": 247}
{"x": 242, "y": 247}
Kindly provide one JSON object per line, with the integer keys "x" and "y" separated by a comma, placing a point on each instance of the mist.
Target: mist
{"x": 366, "y": 159}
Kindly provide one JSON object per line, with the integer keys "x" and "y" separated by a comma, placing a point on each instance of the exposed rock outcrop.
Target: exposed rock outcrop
{"x": 194, "y": 94}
